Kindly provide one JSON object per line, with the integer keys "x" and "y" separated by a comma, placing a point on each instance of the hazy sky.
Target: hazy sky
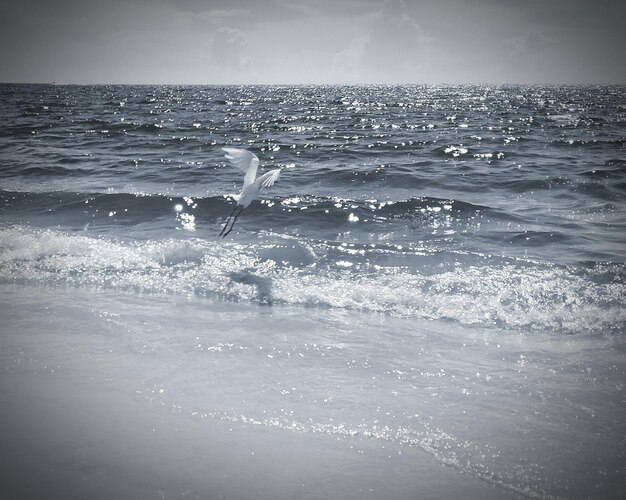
{"x": 312, "y": 41}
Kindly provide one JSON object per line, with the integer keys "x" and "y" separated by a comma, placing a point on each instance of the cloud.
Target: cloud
{"x": 229, "y": 57}
{"x": 228, "y": 48}
{"x": 298, "y": 41}
{"x": 531, "y": 44}
{"x": 389, "y": 51}
{"x": 214, "y": 16}
{"x": 533, "y": 56}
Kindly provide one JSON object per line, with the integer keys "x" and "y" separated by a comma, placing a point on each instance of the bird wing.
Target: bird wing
{"x": 269, "y": 178}
{"x": 243, "y": 160}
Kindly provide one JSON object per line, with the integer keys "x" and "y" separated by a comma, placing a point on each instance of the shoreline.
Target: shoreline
{"x": 65, "y": 441}
{"x": 75, "y": 425}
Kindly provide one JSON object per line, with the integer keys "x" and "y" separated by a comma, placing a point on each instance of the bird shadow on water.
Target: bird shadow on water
{"x": 263, "y": 284}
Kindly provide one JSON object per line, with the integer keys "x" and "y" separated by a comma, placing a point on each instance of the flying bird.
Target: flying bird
{"x": 248, "y": 162}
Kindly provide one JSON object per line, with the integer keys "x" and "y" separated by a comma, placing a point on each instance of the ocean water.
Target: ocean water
{"x": 428, "y": 303}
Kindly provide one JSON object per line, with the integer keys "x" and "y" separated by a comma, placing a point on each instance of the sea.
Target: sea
{"x": 429, "y": 303}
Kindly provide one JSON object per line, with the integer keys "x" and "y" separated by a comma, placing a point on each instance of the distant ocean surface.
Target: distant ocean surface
{"x": 439, "y": 270}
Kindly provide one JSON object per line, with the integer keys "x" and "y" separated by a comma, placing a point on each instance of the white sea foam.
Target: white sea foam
{"x": 517, "y": 295}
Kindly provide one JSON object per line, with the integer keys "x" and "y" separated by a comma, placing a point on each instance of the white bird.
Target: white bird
{"x": 248, "y": 162}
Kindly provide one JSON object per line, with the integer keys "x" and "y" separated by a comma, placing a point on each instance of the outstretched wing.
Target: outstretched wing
{"x": 244, "y": 160}
{"x": 269, "y": 178}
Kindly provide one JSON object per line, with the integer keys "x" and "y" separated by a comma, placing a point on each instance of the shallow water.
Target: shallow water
{"x": 437, "y": 279}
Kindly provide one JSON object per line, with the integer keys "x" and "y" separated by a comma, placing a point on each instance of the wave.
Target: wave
{"x": 117, "y": 128}
{"x": 56, "y": 171}
{"x": 614, "y": 169}
{"x": 617, "y": 143}
{"x": 288, "y": 211}
{"x": 470, "y": 289}
{"x": 21, "y": 131}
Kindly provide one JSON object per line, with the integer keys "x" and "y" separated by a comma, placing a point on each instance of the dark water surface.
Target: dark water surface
{"x": 413, "y": 230}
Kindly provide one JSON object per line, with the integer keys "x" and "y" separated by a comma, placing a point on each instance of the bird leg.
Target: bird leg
{"x": 228, "y": 220}
{"x": 233, "y": 222}
{"x": 224, "y": 234}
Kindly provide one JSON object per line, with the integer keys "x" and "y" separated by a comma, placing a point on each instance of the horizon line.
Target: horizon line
{"x": 309, "y": 84}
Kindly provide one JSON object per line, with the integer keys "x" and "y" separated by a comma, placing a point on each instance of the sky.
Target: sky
{"x": 312, "y": 41}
